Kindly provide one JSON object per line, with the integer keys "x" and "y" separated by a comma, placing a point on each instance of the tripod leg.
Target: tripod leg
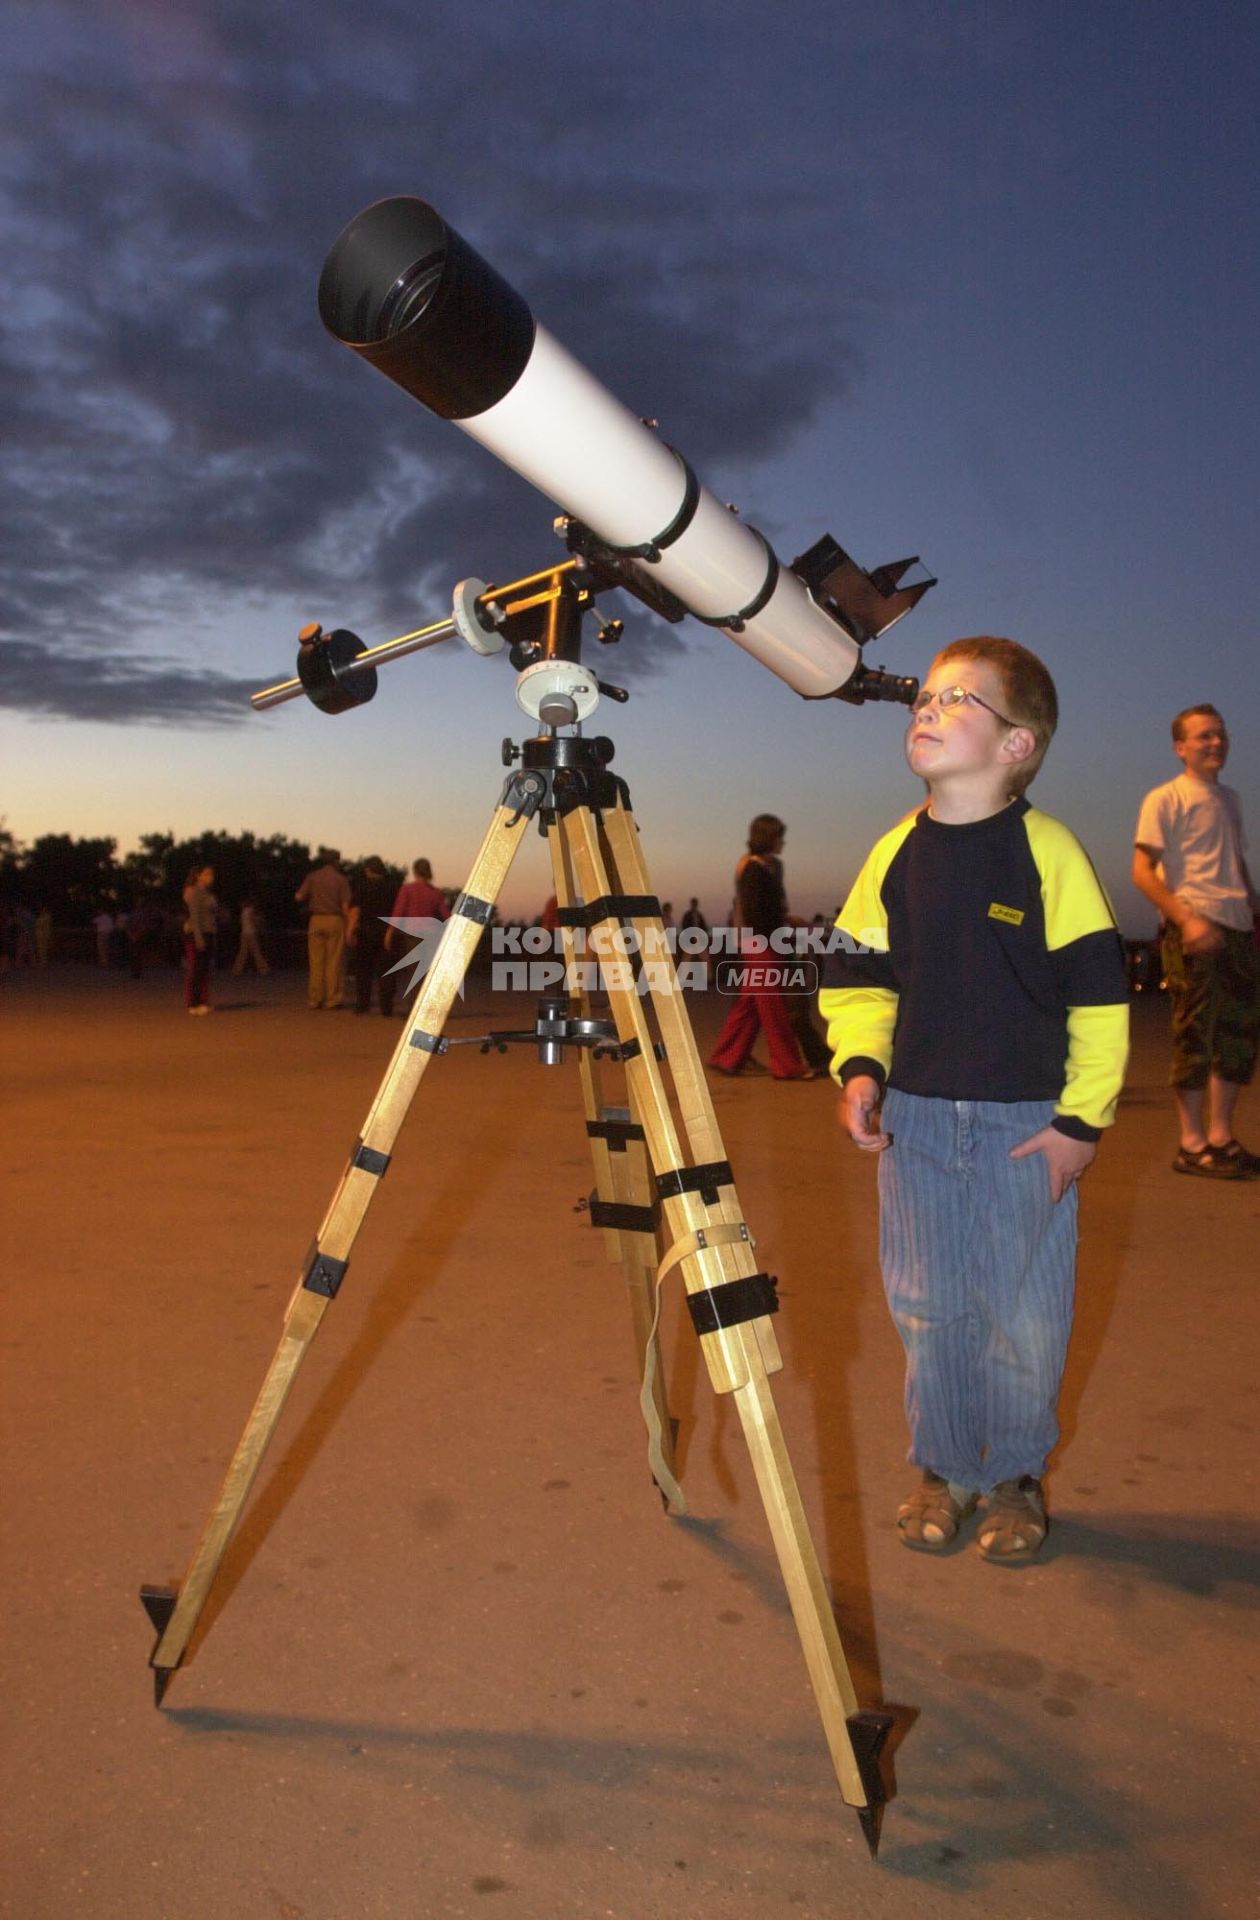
{"x": 623, "y": 1205}
{"x": 730, "y": 1302}
{"x": 175, "y": 1612}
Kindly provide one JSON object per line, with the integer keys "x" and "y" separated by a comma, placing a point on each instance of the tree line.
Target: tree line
{"x": 74, "y": 878}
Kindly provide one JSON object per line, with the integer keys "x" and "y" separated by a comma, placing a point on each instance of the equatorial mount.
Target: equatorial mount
{"x": 538, "y": 620}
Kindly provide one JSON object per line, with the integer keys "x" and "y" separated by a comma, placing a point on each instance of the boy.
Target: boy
{"x": 978, "y": 1019}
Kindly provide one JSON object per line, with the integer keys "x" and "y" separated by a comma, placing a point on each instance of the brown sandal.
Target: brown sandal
{"x": 929, "y": 1520}
{"x": 1015, "y": 1523}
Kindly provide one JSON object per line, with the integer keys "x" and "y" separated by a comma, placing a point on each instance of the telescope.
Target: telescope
{"x": 409, "y": 295}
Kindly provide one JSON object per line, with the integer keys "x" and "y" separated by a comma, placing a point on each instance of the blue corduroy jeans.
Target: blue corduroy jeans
{"x": 979, "y": 1269}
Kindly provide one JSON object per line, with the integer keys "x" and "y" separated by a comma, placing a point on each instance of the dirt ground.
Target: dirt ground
{"x": 459, "y": 1661}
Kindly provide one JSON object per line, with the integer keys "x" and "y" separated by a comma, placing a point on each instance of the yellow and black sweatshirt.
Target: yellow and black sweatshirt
{"x": 982, "y": 962}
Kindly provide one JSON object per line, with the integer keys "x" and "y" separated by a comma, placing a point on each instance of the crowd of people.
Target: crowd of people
{"x": 352, "y": 926}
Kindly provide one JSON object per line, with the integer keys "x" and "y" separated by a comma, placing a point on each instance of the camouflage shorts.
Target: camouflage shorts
{"x": 1215, "y": 1009}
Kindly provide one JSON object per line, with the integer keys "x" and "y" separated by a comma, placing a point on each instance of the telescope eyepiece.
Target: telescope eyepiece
{"x": 873, "y": 683}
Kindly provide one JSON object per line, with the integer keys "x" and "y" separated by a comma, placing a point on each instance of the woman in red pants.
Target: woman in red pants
{"x": 761, "y": 909}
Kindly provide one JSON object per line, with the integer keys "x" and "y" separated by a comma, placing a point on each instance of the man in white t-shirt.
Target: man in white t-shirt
{"x": 1189, "y": 862}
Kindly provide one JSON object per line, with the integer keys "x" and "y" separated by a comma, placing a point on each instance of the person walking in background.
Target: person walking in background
{"x": 325, "y": 892}
{"x": 103, "y": 927}
{"x": 417, "y": 899}
{"x": 371, "y": 896}
{"x": 250, "y": 947}
{"x": 143, "y": 924}
{"x": 200, "y": 933}
{"x": 43, "y": 937}
{"x": 1189, "y": 862}
{"x": 760, "y": 910}
{"x": 694, "y": 950}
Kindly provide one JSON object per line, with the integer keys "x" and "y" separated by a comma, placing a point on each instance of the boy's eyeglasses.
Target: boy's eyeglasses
{"x": 957, "y": 697}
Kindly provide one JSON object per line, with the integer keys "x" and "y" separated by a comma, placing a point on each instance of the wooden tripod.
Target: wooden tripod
{"x": 665, "y": 1197}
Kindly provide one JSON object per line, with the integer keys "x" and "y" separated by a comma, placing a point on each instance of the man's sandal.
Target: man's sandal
{"x": 929, "y": 1520}
{"x": 1235, "y": 1160}
{"x": 1232, "y": 1162}
{"x": 1014, "y": 1524}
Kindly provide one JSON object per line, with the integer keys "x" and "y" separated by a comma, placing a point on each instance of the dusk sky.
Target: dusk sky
{"x": 977, "y": 282}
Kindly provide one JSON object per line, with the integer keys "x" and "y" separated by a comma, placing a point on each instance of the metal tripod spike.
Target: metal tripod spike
{"x": 159, "y": 1604}
{"x": 869, "y": 1730}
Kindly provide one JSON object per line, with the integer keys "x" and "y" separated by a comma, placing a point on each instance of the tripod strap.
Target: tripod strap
{"x": 692, "y": 1243}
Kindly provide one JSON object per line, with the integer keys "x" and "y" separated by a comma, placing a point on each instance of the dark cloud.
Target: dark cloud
{"x": 67, "y": 684}
{"x": 179, "y": 424}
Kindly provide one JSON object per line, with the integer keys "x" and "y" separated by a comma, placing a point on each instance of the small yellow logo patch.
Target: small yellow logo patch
{"x": 1014, "y": 916}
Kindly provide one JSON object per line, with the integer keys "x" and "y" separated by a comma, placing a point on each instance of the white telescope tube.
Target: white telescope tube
{"x": 407, "y": 293}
